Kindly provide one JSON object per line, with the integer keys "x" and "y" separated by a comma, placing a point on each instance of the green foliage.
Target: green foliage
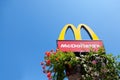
{"x": 95, "y": 65}
{"x": 58, "y": 62}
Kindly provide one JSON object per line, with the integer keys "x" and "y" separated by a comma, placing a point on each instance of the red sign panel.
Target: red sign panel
{"x": 79, "y": 45}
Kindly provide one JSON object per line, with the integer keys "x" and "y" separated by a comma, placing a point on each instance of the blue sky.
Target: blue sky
{"x": 28, "y": 28}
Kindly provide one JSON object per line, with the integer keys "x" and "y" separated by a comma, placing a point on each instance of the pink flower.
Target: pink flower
{"x": 94, "y": 62}
{"x": 49, "y": 75}
{"x": 48, "y": 62}
{"x": 47, "y": 54}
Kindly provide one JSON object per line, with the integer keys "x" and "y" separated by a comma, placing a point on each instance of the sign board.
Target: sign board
{"x": 79, "y": 45}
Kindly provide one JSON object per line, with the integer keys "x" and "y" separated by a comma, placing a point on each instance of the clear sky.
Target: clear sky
{"x": 28, "y": 28}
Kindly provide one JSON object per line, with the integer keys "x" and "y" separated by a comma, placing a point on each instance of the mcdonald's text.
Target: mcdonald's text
{"x": 79, "y": 45}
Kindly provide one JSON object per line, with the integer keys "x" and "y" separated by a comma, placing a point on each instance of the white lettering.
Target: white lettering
{"x": 79, "y": 45}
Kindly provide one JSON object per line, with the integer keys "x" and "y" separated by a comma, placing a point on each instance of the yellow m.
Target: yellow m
{"x": 76, "y": 32}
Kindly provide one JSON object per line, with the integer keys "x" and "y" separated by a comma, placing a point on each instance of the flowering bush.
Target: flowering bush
{"x": 92, "y": 65}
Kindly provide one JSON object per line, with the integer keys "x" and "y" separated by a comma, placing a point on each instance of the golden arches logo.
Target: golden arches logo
{"x": 76, "y": 32}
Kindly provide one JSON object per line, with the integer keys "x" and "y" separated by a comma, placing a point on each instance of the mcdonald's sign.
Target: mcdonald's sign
{"x": 78, "y": 45}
